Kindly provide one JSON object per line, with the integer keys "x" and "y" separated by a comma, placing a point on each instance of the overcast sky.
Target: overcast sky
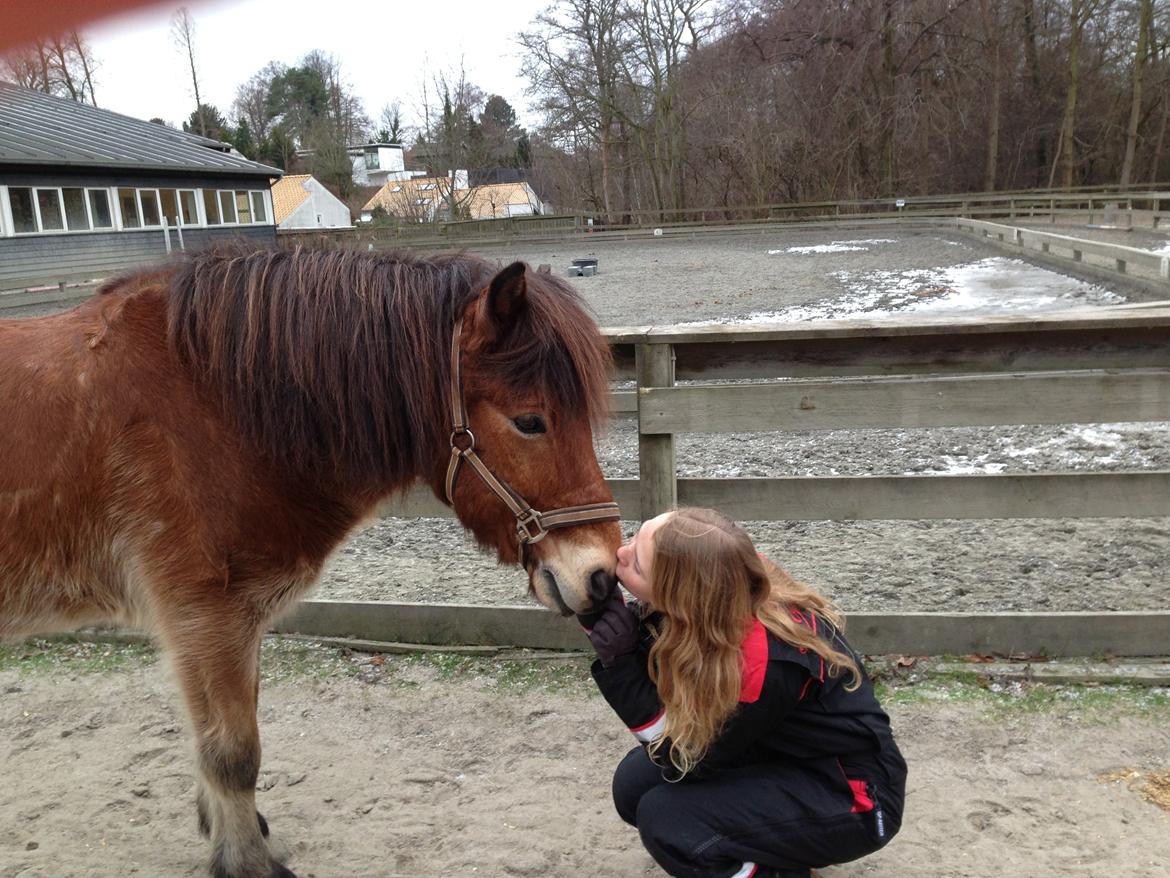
{"x": 384, "y": 49}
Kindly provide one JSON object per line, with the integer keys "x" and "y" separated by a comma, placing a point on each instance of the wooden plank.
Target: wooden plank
{"x": 656, "y": 453}
{"x": 1052, "y": 634}
{"x": 1143, "y": 494}
{"x": 1072, "y": 320}
{"x": 1100, "y": 348}
{"x": 967, "y": 401}
{"x": 420, "y": 501}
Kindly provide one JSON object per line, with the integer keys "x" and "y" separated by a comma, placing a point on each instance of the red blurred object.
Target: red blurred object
{"x": 25, "y": 20}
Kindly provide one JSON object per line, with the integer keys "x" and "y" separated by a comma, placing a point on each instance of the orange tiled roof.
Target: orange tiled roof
{"x": 289, "y": 193}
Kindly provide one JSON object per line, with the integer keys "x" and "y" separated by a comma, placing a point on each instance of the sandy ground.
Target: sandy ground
{"x": 401, "y": 766}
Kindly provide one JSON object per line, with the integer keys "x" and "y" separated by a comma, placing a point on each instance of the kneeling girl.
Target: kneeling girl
{"x": 763, "y": 750}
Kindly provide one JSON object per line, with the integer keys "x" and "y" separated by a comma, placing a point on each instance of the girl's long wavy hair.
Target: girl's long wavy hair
{"x": 710, "y": 584}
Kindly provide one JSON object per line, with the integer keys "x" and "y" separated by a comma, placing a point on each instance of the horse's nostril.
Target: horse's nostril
{"x": 601, "y": 583}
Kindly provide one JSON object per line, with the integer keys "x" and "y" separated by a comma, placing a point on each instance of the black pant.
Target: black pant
{"x": 785, "y": 817}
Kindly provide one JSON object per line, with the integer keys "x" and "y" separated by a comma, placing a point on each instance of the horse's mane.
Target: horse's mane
{"x": 340, "y": 359}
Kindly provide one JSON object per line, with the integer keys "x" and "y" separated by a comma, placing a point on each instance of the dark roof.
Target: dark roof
{"x": 490, "y": 176}
{"x": 39, "y": 129}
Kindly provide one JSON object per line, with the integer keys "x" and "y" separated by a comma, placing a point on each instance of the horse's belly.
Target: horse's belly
{"x": 56, "y": 570}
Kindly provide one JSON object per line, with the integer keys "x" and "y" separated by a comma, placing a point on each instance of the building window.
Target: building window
{"x": 259, "y": 209}
{"x": 76, "y": 216}
{"x": 188, "y": 204}
{"x": 211, "y": 207}
{"x": 372, "y": 163}
{"x": 170, "y": 206}
{"x": 227, "y": 206}
{"x": 99, "y": 209}
{"x": 151, "y": 214}
{"x": 243, "y": 208}
{"x": 49, "y": 208}
{"x": 24, "y": 217}
{"x": 128, "y": 204}
{"x": 426, "y": 186}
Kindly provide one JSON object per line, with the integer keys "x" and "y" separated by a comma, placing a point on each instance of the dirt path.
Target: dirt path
{"x": 447, "y": 766}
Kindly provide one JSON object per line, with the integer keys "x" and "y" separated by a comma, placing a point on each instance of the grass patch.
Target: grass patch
{"x": 1001, "y": 699}
{"x": 287, "y": 660}
{"x": 74, "y": 656}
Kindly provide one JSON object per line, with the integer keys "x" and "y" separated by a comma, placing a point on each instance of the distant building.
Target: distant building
{"x": 86, "y": 192}
{"x": 299, "y": 201}
{"x": 425, "y": 199}
{"x": 375, "y": 164}
{"x": 504, "y": 199}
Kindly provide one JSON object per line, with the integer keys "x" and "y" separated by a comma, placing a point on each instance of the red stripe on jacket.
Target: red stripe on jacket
{"x": 755, "y": 662}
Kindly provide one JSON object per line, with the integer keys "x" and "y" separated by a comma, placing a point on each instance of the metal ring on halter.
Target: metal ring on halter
{"x": 462, "y": 431}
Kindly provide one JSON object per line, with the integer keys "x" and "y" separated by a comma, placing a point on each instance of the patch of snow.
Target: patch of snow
{"x": 1074, "y": 447}
{"x": 989, "y": 286}
{"x": 835, "y": 246}
{"x": 952, "y": 466}
{"x": 1164, "y": 250}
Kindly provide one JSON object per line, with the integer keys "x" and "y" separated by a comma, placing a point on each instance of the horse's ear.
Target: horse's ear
{"x": 507, "y": 297}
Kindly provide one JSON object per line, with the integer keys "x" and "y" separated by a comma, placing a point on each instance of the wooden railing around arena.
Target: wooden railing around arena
{"x": 1090, "y": 366}
{"x": 1112, "y": 258}
{"x": 1093, "y": 366}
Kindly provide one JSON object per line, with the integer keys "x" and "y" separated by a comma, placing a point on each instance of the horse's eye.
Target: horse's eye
{"x": 530, "y": 424}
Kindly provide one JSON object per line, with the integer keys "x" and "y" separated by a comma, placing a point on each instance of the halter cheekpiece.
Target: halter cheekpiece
{"x": 532, "y": 526}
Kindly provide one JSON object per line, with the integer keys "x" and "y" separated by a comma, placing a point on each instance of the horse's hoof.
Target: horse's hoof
{"x": 263, "y": 824}
{"x": 279, "y": 871}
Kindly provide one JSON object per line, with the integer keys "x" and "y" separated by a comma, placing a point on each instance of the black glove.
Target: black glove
{"x": 588, "y": 620}
{"x": 613, "y": 630}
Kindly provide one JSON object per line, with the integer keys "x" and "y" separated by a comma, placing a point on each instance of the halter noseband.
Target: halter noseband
{"x": 531, "y": 526}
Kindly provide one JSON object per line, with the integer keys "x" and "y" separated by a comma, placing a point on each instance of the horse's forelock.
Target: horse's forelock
{"x": 558, "y": 350}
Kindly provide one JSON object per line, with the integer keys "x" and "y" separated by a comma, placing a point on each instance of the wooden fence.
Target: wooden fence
{"x": 1096, "y": 365}
{"x": 1115, "y": 259}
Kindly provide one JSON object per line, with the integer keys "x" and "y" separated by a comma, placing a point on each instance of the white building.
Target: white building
{"x": 375, "y": 164}
{"x": 301, "y": 202}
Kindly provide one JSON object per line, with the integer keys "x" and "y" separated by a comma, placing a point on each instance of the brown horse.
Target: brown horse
{"x": 183, "y": 451}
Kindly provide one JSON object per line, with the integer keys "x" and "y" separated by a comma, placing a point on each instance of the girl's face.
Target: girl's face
{"x": 636, "y": 558}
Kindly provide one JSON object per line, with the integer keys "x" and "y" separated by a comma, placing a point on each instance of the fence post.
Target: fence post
{"x": 166, "y": 235}
{"x": 657, "y": 485}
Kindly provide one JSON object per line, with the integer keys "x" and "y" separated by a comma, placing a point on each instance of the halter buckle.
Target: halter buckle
{"x": 525, "y": 522}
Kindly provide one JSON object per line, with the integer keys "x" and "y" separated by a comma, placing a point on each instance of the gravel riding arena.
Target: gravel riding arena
{"x": 387, "y": 766}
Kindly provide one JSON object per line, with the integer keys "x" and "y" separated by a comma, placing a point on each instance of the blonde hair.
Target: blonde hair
{"x": 710, "y": 585}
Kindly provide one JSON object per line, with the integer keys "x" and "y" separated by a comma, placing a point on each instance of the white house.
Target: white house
{"x": 301, "y": 202}
{"x": 375, "y": 164}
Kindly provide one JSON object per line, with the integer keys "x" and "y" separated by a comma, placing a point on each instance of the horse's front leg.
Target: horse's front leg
{"x": 216, "y": 657}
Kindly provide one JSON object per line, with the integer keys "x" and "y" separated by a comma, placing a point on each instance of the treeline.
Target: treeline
{"x": 658, "y": 105}
{"x": 664, "y": 104}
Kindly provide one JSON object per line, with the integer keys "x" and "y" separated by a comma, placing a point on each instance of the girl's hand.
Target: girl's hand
{"x": 614, "y": 631}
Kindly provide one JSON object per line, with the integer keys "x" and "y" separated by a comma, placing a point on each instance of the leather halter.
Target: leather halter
{"x": 531, "y": 526}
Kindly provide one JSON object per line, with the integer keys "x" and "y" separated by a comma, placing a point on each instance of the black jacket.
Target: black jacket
{"x": 791, "y": 708}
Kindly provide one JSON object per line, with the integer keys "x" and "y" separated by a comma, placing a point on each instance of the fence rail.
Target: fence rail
{"x": 1092, "y": 366}
{"x": 1117, "y": 259}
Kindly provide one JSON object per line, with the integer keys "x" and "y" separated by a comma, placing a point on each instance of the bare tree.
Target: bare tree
{"x": 183, "y": 34}
{"x": 251, "y": 103}
{"x": 390, "y": 122}
{"x": 61, "y": 65}
{"x": 1145, "y": 18}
